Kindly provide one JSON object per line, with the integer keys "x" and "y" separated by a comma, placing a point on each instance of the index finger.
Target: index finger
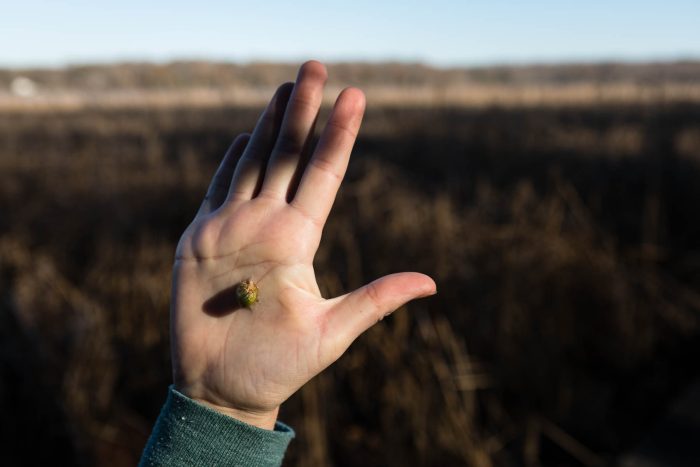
{"x": 326, "y": 168}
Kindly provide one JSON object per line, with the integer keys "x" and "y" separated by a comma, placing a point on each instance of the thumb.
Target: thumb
{"x": 357, "y": 311}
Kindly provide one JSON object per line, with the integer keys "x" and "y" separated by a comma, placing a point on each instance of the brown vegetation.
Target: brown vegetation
{"x": 206, "y": 84}
{"x": 564, "y": 241}
{"x": 180, "y": 75}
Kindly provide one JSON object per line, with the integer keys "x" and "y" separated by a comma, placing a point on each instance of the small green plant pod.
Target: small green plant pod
{"x": 247, "y": 293}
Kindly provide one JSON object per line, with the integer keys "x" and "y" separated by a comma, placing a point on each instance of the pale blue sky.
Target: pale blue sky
{"x": 51, "y": 32}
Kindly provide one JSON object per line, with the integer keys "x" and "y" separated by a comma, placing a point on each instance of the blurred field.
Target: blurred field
{"x": 563, "y": 233}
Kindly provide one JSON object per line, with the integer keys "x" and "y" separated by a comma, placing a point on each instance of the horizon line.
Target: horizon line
{"x": 417, "y": 61}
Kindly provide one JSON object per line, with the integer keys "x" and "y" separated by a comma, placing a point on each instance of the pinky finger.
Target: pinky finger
{"x": 219, "y": 186}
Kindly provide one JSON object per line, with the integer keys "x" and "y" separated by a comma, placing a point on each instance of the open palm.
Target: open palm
{"x": 262, "y": 220}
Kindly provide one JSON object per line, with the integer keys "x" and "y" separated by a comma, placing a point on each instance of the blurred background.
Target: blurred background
{"x": 540, "y": 160}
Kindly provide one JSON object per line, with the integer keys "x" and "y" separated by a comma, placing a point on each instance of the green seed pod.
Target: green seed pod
{"x": 247, "y": 293}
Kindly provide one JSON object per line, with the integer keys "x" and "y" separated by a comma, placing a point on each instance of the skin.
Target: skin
{"x": 262, "y": 219}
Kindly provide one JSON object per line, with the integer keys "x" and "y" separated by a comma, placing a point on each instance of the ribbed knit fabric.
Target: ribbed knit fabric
{"x": 189, "y": 433}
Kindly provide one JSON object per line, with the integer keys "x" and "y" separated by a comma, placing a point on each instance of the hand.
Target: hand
{"x": 262, "y": 220}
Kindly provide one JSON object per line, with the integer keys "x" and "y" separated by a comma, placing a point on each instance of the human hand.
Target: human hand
{"x": 262, "y": 220}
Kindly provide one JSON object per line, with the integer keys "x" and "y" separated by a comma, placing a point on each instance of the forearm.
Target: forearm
{"x": 189, "y": 433}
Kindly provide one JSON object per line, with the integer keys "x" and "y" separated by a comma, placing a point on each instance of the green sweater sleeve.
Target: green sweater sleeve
{"x": 189, "y": 433}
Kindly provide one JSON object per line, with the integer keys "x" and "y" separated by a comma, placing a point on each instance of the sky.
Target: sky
{"x": 437, "y": 32}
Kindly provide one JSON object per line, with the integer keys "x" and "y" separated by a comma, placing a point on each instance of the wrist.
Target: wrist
{"x": 264, "y": 419}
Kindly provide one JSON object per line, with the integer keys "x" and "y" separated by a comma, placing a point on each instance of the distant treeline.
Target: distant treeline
{"x": 216, "y": 74}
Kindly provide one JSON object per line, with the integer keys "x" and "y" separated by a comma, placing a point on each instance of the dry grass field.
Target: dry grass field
{"x": 563, "y": 234}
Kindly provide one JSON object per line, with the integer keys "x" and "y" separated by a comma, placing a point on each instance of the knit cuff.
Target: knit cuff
{"x": 189, "y": 433}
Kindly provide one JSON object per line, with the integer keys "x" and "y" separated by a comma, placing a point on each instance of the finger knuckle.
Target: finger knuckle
{"x": 205, "y": 235}
{"x": 327, "y": 167}
{"x": 289, "y": 144}
{"x": 342, "y": 129}
{"x": 373, "y": 296}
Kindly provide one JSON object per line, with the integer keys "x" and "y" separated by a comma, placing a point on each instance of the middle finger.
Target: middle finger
{"x": 296, "y": 130}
